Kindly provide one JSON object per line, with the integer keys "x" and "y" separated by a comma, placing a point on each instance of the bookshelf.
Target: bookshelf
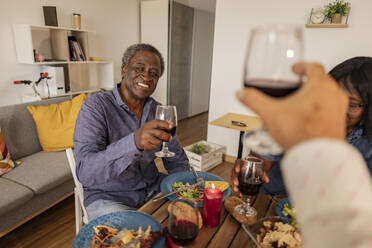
{"x": 52, "y": 42}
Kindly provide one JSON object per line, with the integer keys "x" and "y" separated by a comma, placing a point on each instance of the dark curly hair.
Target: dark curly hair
{"x": 356, "y": 73}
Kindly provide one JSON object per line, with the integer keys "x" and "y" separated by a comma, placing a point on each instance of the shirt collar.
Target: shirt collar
{"x": 355, "y": 134}
{"x": 117, "y": 96}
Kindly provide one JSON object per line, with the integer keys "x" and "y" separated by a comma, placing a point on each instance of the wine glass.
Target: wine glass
{"x": 183, "y": 222}
{"x": 250, "y": 180}
{"x": 272, "y": 51}
{"x": 166, "y": 113}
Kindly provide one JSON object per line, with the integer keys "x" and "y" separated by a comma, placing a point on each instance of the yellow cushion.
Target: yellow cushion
{"x": 55, "y": 123}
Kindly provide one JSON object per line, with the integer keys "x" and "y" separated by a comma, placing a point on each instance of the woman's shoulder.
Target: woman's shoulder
{"x": 364, "y": 144}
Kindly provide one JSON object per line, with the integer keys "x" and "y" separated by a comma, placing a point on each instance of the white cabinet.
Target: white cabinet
{"x": 53, "y": 44}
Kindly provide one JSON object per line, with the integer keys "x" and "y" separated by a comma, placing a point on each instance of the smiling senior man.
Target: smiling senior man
{"x": 116, "y": 138}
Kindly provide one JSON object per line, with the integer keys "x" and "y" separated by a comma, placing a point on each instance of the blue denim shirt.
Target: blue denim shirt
{"x": 276, "y": 185}
{"x": 108, "y": 163}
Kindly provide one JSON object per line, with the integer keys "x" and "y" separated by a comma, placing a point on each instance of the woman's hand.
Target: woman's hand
{"x": 317, "y": 109}
{"x": 234, "y": 176}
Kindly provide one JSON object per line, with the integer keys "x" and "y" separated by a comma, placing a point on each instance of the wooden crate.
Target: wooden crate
{"x": 208, "y": 160}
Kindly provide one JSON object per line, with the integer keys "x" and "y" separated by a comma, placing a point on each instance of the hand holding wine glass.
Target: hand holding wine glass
{"x": 250, "y": 178}
{"x": 166, "y": 113}
{"x": 304, "y": 113}
{"x": 272, "y": 52}
{"x": 150, "y": 136}
{"x": 183, "y": 222}
{"x": 239, "y": 163}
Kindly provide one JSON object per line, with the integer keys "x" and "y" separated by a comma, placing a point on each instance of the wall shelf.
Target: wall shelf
{"x": 75, "y": 93}
{"x": 53, "y": 27}
{"x": 66, "y": 62}
{"x": 331, "y": 25}
{"x": 53, "y": 43}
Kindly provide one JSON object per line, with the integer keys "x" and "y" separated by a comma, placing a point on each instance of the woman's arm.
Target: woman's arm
{"x": 332, "y": 192}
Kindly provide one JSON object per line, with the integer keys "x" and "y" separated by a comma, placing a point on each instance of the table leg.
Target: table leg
{"x": 240, "y": 148}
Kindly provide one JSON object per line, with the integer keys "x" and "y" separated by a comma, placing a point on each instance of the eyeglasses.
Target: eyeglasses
{"x": 354, "y": 107}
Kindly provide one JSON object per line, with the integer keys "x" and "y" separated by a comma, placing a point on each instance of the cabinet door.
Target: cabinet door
{"x": 90, "y": 76}
{"x": 59, "y": 44}
{"x": 79, "y": 77}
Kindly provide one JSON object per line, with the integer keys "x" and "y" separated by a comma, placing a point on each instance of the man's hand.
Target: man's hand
{"x": 317, "y": 109}
{"x": 234, "y": 176}
{"x": 150, "y": 135}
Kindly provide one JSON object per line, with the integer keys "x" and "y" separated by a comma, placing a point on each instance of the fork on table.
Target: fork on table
{"x": 199, "y": 180}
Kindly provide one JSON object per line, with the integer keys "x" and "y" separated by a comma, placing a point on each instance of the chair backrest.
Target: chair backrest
{"x": 78, "y": 187}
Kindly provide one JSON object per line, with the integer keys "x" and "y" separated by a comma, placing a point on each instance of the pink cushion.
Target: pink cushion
{"x": 6, "y": 163}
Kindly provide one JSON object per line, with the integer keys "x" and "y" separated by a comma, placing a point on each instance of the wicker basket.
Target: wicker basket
{"x": 207, "y": 160}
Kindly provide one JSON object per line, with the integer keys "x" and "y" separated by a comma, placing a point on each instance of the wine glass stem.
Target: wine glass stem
{"x": 247, "y": 203}
{"x": 165, "y": 147}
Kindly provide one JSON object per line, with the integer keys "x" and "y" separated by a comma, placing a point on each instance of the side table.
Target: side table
{"x": 243, "y": 123}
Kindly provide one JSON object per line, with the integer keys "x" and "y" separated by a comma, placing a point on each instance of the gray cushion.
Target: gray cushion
{"x": 37, "y": 203}
{"x": 19, "y": 129}
{"x": 42, "y": 171}
{"x": 12, "y": 195}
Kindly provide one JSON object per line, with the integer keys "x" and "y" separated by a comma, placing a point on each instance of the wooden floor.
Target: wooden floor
{"x": 56, "y": 226}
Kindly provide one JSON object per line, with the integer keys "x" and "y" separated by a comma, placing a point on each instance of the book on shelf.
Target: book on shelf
{"x": 73, "y": 55}
{"x": 80, "y": 51}
{"x": 76, "y": 51}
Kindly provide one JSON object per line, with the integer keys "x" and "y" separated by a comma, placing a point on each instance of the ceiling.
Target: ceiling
{"x": 206, "y": 5}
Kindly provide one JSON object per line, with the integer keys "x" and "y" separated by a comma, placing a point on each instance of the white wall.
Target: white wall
{"x": 116, "y": 23}
{"x": 154, "y": 30}
{"x": 233, "y": 21}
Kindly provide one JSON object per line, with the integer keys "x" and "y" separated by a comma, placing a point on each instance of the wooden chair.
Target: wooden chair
{"x": 81, "y": 216}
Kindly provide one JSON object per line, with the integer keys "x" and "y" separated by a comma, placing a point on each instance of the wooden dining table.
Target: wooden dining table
{"x": 229, "y": 233}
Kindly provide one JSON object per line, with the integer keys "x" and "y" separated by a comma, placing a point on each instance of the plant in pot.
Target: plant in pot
{"x": 336, "y": 10}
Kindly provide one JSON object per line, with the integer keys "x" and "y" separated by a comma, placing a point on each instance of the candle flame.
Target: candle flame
{"x": 213, "y": 187}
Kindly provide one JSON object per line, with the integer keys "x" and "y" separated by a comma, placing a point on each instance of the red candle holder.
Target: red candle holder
{"x": 212, "y": 205}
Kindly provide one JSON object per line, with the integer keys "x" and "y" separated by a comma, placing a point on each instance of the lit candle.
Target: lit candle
{"x": 212, "y": 205}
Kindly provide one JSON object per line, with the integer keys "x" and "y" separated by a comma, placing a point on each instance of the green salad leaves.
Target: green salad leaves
{"x": 189, "y": 194}
{"x": 291, "y": 213}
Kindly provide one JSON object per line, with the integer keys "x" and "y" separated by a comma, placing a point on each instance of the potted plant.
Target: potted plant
{"x": 199, "y": 149}
{"x": 336, "y": 10}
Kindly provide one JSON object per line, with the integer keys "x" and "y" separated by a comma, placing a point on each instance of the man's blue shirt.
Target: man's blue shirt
{"x": 108, "y": 163}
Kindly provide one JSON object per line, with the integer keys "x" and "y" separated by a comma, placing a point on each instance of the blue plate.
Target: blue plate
{"x": 120, "y": 220}
{"x": 188, "y": 177}
{"x": 281, "y": 203}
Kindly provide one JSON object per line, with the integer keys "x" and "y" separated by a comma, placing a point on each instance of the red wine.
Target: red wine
{"x": 172, "y": 131}
{"x": 183, "y": 232}
{"x": 275, "y": 88}
{"x": 250, "y": 186}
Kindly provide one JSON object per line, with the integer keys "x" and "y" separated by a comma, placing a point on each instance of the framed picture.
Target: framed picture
{"x": 50, "y": 16}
